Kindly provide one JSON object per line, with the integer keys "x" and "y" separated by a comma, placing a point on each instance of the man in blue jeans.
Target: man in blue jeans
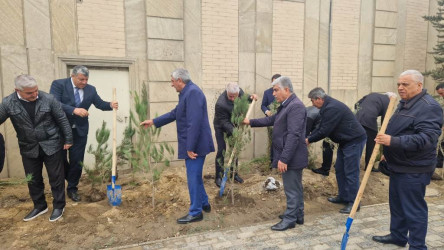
{"x": 410, "y": 152}
{"x": 194, "y": 139}
{"x": 341, "y": 126}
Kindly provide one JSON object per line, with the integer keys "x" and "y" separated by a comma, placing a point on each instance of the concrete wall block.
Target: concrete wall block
{"x": 37, "y": 24}
{"x": 264, "y": 30}
{"x": 247, "y": 32}
{"x": 63, "y": 27}
{"x": 135, "y": 30}
{"x": 13, "y": 63}
{"x": 162, "y": 92}
{"x": 165, "y": 8}
{"x": 385, "y": 36}
{"x": 384, "y": 84}
{"x": 385, "y": 19}
{"x": 165, "y": 28}
{"x": 383, "y": 68}
{"x": 263, "y": 69}
{"x": 161, "y": 71}
{"x": 40, "y": 60}
{"x": 247, "y": 62}
{"x": 169, "y": 132}
{"x": 247, "y": 5}
{"x": 384, "y": 52}
{"x": 247, "y": 81}
{"x": 11, "y": 23}
{"x": 347, "y": 96}
{"x": 387, "y": 5}
{"x": 265, "y": 6}
{"x": 165, "y": 50}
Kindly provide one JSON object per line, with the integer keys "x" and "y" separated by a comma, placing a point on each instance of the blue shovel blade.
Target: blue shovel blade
{"x": 345, "y": 236}
{"x": 114, "y": 195}
{"x": 222, "y": 184}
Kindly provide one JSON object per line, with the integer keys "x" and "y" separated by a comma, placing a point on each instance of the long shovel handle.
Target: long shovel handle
{"x": 375, "y": 152}
{"x": 114, "y": 159}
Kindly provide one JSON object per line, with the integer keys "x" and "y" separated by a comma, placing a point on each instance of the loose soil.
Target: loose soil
{"x": 95, "y": 224}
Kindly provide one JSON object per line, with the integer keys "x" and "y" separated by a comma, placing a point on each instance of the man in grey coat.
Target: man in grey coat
{"x": 42, "y": 132}
{"x": 289, "y": 149}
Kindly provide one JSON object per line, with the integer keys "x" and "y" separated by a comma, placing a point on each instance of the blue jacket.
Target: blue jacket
{"x": 267, "y": 99}
{"x": 288, "y": 133}
{"x": 414, "y": 128}
{"x": 193, "y": 127}
{"x": 338, "y": 123}
{"x": 63, "y": 91}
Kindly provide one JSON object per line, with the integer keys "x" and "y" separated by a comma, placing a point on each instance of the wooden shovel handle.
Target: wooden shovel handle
{"x": 375, "y": 152}
{"x": 114, "y": 159}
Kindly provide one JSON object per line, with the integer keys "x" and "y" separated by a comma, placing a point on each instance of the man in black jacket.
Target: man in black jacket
{"x": 368, "y": 109}
{"x": 340, "y": 125}
{"x": 439, "y": 160}
{"x": 222, "y": 125}
{"x": 42, "y": 131}
{"x": 410, "y": 151}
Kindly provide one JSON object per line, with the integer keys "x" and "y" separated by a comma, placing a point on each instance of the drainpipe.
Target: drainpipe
{"x": 329, "y": 49}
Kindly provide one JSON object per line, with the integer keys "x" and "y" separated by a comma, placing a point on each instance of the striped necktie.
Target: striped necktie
{"x": 77, "y": 97}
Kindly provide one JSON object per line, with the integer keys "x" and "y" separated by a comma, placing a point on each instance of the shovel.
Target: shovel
{"x": 224, "y": 179}
{"x": 375, "y": 152}
{"x": 114, "y": 191}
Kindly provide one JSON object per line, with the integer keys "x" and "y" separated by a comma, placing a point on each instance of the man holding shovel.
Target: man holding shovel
{"x": 194, "y": 139}
{"x": 410, "y": 152}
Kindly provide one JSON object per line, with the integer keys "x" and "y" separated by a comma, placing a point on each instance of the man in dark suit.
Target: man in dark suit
{"x": 76, "y": 97}
{"x": 42, "y": 132}
{"x": 440, "y": 158}
{"x": 267, "y": 100}
{"x": 194, "y": 139}
{"x": 368, "y": 109}
{"x": 290, "y": 150}
{"x": 341, "y": 126}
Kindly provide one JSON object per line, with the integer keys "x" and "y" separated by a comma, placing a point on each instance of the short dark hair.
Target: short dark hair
{"x": 440, "y": 86}
{"x": 275, "y": 76}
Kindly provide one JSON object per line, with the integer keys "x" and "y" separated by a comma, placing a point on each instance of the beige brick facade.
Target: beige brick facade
{"x": 288, "y": 41}
{"x": 219, "y": 42}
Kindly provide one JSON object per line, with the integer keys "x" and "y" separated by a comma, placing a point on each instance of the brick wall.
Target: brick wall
{"x": 219, "y": 42}
{"x": 345, "y": 44}
{"x": 101, "y": 28}
{"x": 288, "y": 40}
{"x": 416, "y": 35}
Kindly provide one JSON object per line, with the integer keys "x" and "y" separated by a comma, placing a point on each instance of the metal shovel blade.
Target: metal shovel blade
{"x": 114, "y": 193}
{"x": 345, "y": 236}
{"x": 223, "y": 182}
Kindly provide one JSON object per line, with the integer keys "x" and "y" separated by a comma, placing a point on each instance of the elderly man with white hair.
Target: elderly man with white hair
{"x": 222, "y": 125}
{"x": 410, "y": 151}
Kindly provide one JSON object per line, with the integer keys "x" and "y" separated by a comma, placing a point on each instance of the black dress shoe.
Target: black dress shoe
{"x": 282, "y": 226}
{"x": 56, "y": 214}
{"x": 348, "y": 208}
{"x": 388, "y": 239}
{"x": 321, "y": 171}
{"x": 336, "y": 200}
{"x": 207, "y": 208}
{"x": 188, "y": 219}
{"x": 238, "y": 179}
{"x": 35, "y": 213}
{"x": 299, "y": 221}
{"x": 74, "y": 196}
{"x": 218, "y": 181}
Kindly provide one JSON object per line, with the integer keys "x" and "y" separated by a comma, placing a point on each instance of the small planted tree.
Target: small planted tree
{"x": 240, "y": 137}
{"x": 273, "y": 109}
{"x": 147, "y": 153}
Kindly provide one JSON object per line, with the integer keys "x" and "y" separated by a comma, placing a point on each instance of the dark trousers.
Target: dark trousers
{"x": 73, "y": 161}
{"x": 294, "y": 192}
{"x": 270, "y": 137}
{"x": 196, "y": 189}
{"x": 2, "y": 152}
{"x": 54, "y": 167}
{"x": 408, "y": 209}
{"x": 369, "y": 145}
{"x": 221, "y": 147}
{"x": 327, "y": 155}
{"x": 347, "y": 169}
{"x": 439, "y": 158}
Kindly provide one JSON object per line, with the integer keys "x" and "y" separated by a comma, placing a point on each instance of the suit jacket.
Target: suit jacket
{"x": 193, "y": 127}
{"x": 288, "y": 133}
{"x": 46, "y": 131}
{"x": 370, "y": 107}
{"x": 267, "y": 99}
{"x": 63, "y": 91}
{"x": 222, "y": 113}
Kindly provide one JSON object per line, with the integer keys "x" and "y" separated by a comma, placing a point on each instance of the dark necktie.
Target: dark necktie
{"x": 77, "y": 97}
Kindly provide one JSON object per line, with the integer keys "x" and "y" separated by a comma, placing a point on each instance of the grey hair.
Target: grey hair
{"x": 283, "y": 82}
{"x": 317, "y": 93}
{"x": 232, "y": 88}
{"x": 24, "y": 81}
{"x": 182, "y": 74}
{"x": 416, "y": 75}
{"x": 80, "y": 69}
